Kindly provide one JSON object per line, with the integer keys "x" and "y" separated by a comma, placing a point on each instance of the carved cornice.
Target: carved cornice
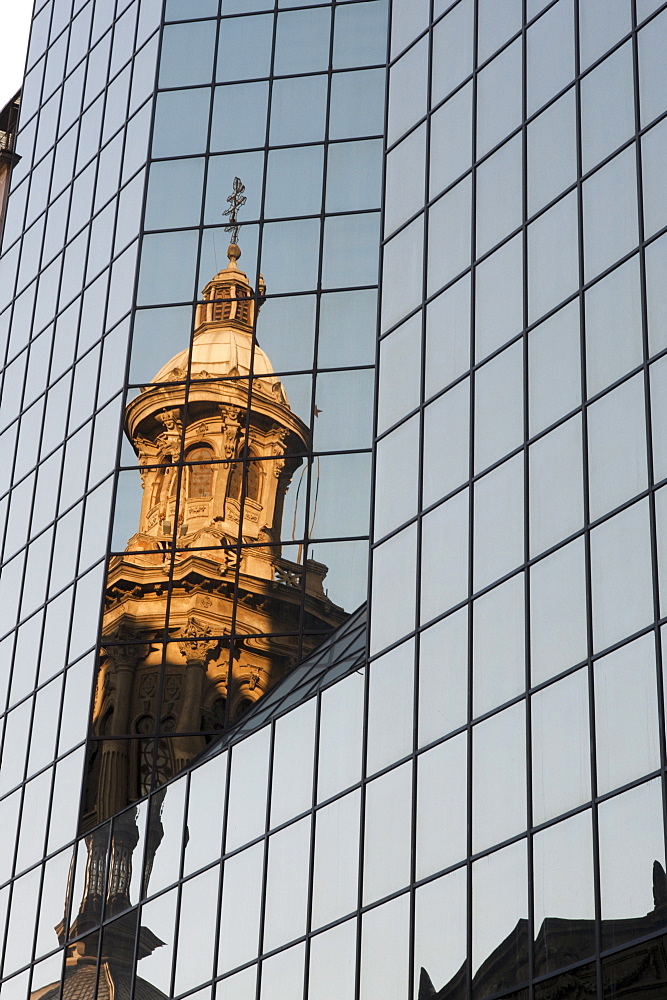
{"x": 195, "y": 642}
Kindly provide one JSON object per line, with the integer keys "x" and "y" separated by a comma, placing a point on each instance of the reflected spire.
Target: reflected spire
{"x": 236, "y": 200}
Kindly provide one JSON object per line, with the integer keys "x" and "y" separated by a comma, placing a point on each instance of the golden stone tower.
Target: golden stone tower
{"x": 206, "y": 558}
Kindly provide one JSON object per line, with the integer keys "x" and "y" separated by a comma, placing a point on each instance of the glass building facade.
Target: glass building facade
{"x": 333, "y": 504}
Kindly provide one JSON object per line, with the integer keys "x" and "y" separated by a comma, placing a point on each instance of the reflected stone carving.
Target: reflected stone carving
{"x": 205, "y": 560}
{"x": 202, "y": 613}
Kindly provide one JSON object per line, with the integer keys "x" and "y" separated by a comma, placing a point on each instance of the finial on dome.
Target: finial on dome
{"x": 236, "y": 201}
{"x": 233, "y": 254}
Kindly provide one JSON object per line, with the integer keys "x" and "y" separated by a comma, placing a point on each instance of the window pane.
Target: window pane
{"x": 561, "y": 754}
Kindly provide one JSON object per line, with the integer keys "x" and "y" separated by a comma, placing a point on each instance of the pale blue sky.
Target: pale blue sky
{"x": 14, "y": 27}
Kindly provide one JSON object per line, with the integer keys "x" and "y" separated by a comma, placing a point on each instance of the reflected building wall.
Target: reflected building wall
{"x": 468, "y": 802}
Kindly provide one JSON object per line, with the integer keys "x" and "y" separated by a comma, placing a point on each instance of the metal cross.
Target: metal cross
{"x": 236, "y": 201}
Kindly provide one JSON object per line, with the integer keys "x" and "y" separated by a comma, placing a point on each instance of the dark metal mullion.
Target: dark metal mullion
{"x": 28, "y": 348}
{"x": 530, "y": 871}
{"x": 244, "y": 456}
{"x": 653, "y": 521}
{"x": 471, "y": 522}
{"x": 413, "y": 986}
{"x": 266, "y": 844}
{"x": 312, "y": 463}
{"x": 222, "y": 862}
{"x": 371, "y": 529}
{"x": 587, "y": 512}
{"x": 119, "y": 436}
{"x": 114, "y": 228}
{"x": 313, "y": 832}
{"x": 181, "y": 468}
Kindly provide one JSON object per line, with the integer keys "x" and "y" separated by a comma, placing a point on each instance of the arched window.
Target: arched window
{"x": 200, "y": 477}
{"x": 245, "y": 466}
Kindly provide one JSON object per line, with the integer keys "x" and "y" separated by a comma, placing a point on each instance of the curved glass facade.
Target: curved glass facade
{"x": 219, "y": 445}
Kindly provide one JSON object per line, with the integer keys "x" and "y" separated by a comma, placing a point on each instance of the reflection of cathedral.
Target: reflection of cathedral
{"x": 560, "y": 942}
{"x": 218, "y": 516}
{"x": 217, "y": 444}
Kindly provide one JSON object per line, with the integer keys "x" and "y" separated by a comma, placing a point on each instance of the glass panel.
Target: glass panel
{"x": 600, "y": 25}
{"x": 613, "y": 327}
{"x": 496, "y": 23}
{"x": 360, "y": 35}
{"x": 447, "y": 336}
{"x": 499, "y": 406}
{"x": 445, "y": 547}
{"x": 621, "y": 575}
{"x": 387, "y": 833}
{"x": 498, "y": 656}
{"x": 302, "y": 41}
{"x": 335, "y": 875}
{"x": 398, "y": 394}
{"x": 626, "y": 718}
{"x": 440, "y": 933}
{"x": 554, "y": 368}
{"x": 607, "y": 106}
{"x": 405, "y": 160}
{"x": 552, "y": 154}
{"x": 442, "y": 813}
{"x": 499, "y": 195}
{"x": 499, "y": 777}
{"x": 390, "y": 696}
{"x": 561, "y": 765}
{"x": 332, "y": 963}
{"x": 396, "y": 498}
{"x": 196, "y": 930}
{"x": 236, "y": 59}
{"x": 186, "y": 56}
{"x": 190, "y": 108}
{"x": 451, "y": 139}
{"x": 292, "y": 781}
{"x": 241, "y": 908}
{"x": 550, "y": 54}
{"x": 556, "y": 485}
{"x": 563, "y": 879}
{"x": 558, "y": 636}
{"x": 307, "y": 93}
{"x": 349, "y": 117}
{"x": 288, "y": 866}
{"x": 655, "y": 202}
{"x": 498, "y": 523}
{"x": 443, "y": 677}
{"x": 384, "y": 951}
{"x": 408, "y": 84}
{"x": 656, "y": 295}
{"x": 452, "y": 50}
{"x": 446, "y": 432}
{"x": 341, "y": 717}
{"x": 498, "y": 298}
{"x": 393, "y": 608}
{"x": 617, "y": 446}
{"x": 245, "y": 102}
{"x": 610, "y": 213}
{"x": 651, "y": 42}
{"x": 631, "y": 842}
{"x": 499, "y": 908}
{"x": 553, "y": 269}
{"x": 499, "y": 98}
{"x": 659, "y": 418}
{"x": 246, "y": 816}
{"x": 402, "y": 273}
{"x": 449, "y": 235}
{"x": 282, "y": 975}
{"x": 204, "y": 820}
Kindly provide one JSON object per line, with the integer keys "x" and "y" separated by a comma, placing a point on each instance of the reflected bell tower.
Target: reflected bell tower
{"x": 217, "y": 444}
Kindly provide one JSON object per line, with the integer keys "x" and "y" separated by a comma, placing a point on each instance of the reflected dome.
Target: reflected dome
{"x": 218, "y": 352}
